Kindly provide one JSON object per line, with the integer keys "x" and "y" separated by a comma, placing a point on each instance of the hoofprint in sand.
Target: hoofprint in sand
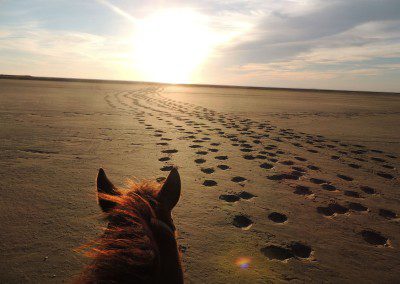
{"x": 277, "y": 185}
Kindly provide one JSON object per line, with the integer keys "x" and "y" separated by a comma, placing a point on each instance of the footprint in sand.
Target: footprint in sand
{"x": 164, "y": 159}
{"x": 283, "y": 176}
{"x": 354, "y": 166}
{"x": 352, "y": 193}
{"x": 195, "y": 146}
{"x": 359, "y": 159}
{"x": 378, "y": 159}
{"x": 207, "y": 170}
{"x": 300, "y": 159}
{"x": 209, "y": 182}
{"x": 367, "y": 189}
{"x": 317, "y": 181}
{"x": 344, "y": 177}
{"x": 249, "y": 157}
{"x": 229, "y": 197}
{"x": 388, "y": 214}
{"x": 223, "y": 167}
{"x": 388, "y": 167}
{"x": 202, "y": 153}
{"x": 328, "y": 187}
{"x": 287, "y": 163}
{"x": 277, "y": 217}
{"x": 199, "y": 161}
{"x": 313, "y": 168}
{"x": 277, "y": 252}
{"x": 261, "y": 157}
{"x": 170, "y": 151}
{"x": 331, "y": 209}
{"x": 238, "y": 179}
{"x": 246, "y": 195}
{"x": 221, "y": 158}
{"x": 299, "y": 169}
{"x": 242, "y": 222}
{"x": 374, "y": 238}
{"x": 301, "y": 250}
{"x": 160, "y": 179}
{"x": 167, "y": 168}
{"x": 266, "y": 166}
{"x": 385, "y": 175}
{"x": 302, "y": 190}
{"x": 355, "y": 206}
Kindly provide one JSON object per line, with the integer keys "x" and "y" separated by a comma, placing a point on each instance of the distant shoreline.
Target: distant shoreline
{"x": 60, "y": 79}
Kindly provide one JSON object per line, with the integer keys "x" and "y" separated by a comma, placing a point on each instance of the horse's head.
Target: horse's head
{"x": 141, "y": 228}
{"x": 161, "y": 200}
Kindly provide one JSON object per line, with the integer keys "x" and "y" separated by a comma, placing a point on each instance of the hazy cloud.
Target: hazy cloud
{"x": 311, "y": 43}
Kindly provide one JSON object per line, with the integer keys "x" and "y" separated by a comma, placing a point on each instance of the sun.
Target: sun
{"x": 170, "y": 44}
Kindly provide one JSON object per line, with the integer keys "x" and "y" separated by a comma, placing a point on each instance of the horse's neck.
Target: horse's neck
{"x": 170, "y": 269}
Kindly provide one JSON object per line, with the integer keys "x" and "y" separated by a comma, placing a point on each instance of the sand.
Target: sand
{"x": 304, "y": 184}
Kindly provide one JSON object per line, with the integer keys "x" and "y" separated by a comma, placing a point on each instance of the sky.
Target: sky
{"x": 322, "y": 44}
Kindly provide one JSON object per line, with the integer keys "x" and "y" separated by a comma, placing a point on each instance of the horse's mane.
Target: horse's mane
{"x": 127, "y": 251}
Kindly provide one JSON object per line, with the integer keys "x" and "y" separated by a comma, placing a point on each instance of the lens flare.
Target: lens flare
{"x": 243, "y": 262}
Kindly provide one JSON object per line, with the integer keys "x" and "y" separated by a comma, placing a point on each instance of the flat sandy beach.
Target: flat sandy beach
{"x": 302, "y": 184}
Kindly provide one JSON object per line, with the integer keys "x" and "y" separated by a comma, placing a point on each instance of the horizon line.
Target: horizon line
{"x": 87, "y": 80}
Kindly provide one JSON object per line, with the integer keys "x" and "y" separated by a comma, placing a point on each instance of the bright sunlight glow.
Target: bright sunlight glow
{"x": 169, "y": 45}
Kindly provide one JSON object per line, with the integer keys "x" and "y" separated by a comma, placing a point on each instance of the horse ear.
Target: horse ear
{"x": 105, "y": 186}
{"x": 171, "y": 190}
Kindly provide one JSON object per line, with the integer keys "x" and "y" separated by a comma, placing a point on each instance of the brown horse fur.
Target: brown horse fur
{"x": 139, "y": 244}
